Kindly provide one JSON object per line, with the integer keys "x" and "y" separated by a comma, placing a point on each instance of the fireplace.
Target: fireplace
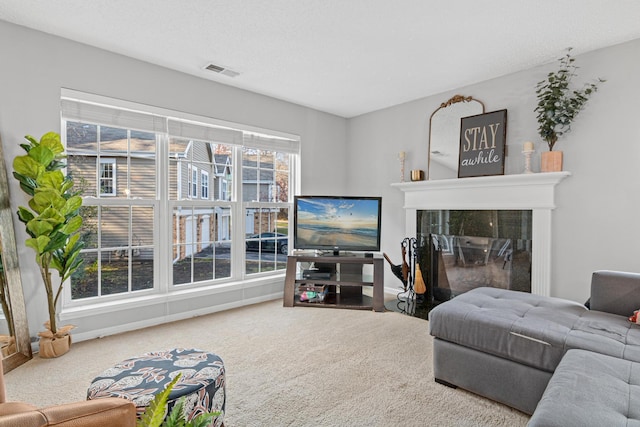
{"x": 465, "y": 249}
{"x": 532, "y": 195}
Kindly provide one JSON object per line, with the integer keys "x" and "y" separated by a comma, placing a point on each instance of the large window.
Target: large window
{"x": 173, "y": 217}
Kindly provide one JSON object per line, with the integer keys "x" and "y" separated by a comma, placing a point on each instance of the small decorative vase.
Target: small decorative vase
{"x": 551, "y": 161}
{"x": 54, "y": 347}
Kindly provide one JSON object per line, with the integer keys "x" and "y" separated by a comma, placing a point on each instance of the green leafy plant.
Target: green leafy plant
{"x": 558, "y": 104}
{"x": 154, "y": 414}
{"x": 52, "y": 219}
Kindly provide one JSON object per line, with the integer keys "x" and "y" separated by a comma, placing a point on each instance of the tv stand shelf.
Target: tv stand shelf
{"x": 344, "y": 283}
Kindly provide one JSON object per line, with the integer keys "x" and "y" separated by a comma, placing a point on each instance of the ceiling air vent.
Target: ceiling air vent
{"x": 221, "y": 70}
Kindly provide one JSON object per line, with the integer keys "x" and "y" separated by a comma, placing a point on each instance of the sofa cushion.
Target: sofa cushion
{"x": 519, "y": 326}
{"x": 606, "y": 333}
{"x": 615, "y": 292}
{"x": 590, "y": 389}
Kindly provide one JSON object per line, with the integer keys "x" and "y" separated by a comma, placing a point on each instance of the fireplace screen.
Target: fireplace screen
{"x": 465, "y": 249}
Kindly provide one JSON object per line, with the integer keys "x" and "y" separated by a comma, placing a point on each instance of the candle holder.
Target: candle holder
{"x": 527, "y": 160}
{"x": 401, "y": 156}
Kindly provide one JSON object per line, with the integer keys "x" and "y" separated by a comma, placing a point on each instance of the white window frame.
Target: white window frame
{"x": 204, "y": 185}
{"x": 189, "y": 178}
{"x": 108, "y": 161}
{"x": 193, "y": 193}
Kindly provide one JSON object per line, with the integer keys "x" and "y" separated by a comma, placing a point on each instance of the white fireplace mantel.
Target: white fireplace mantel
{"x": 515, "y": 192}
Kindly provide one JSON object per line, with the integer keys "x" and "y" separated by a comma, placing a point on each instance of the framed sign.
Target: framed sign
{"x": 482, "y": 144}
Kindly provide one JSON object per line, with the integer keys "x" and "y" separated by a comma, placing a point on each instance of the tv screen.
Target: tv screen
{"x": 337, "y": 223}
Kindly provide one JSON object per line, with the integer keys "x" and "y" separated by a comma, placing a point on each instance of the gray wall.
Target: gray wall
{"x": 34, "y": 68}
{"x": 595, "y": 225}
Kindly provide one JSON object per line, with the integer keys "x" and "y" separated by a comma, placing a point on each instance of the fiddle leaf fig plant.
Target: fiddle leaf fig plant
{"x": 52, "y": 218}
{"x": 559, "y": 104}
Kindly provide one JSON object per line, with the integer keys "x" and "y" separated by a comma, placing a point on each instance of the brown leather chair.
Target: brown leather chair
{"x": 107, "y": 412}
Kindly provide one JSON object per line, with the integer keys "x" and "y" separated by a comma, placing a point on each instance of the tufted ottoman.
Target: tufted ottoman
{"x": 492, "y": 341}
{"x": 140, "y": 378}
{"x": 590, "y": 389}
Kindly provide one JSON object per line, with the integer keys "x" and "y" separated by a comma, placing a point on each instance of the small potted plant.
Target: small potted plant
{"x": 52, "y": 222}
{"x": 558, "y": 105}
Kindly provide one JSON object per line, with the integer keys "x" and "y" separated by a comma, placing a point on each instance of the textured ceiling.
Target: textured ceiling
{"x": 345, "y": 57}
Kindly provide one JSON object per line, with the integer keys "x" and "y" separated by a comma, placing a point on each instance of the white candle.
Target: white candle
{"x": 528, "y": 146}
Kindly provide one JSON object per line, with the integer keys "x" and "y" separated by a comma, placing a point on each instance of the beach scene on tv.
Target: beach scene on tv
{"x": 348, "y": 223}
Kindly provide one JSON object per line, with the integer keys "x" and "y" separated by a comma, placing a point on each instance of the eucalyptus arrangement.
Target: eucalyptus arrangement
{"x": 52, "y": 221}
{"x": 559, "y": 104}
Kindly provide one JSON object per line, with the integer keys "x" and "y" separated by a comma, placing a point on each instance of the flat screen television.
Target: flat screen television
{"x": 337, "y": 223}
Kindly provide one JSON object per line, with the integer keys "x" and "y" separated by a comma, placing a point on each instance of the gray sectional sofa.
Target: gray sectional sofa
{"x": 506, "y": 345}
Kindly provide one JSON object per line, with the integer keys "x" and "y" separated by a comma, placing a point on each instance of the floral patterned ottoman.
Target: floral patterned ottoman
{"x": 140, "y": 378}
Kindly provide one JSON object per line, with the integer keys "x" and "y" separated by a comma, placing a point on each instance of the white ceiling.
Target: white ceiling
{"x": 346, "y": 57}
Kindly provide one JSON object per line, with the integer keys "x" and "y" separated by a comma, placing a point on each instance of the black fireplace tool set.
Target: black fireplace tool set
{"x": 410, "y": 274}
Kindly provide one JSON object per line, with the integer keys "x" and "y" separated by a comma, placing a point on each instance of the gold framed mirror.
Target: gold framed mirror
{"x": 444, "y": 135}
{"x": 15, "y": 344}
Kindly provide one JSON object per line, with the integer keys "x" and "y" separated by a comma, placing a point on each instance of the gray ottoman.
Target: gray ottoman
{"x": 590, "y": 389}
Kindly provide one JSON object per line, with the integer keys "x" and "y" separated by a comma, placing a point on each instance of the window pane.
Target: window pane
{"x": 179, "y": 169}
{"x": 202, "y": 245}
{"x": 115, "y": 271}
{"x": 222, "y": 176}
{"x": 142, "y": 182}
{"x": 84, "y": 281}
{"x": 267, "y": 159}
{"x": 81, "y": 138}
{"x": 282, "y": 186}
{"x": 142, "y": 222}
{"x": 282, "y": 161}
{"x": 82, "y": 144}
{"x": 265, "y": 186}
{"x": 267, "y": 243}
{"x": 142, "y": 273}
{"x": 183, "y": 244}
{"x": 115, "y": 227}
{"x": 113, "y": 140}
{"x": 89, "y": 230}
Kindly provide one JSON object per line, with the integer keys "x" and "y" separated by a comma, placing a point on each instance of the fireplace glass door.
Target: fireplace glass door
{"x": 465, "y": 249}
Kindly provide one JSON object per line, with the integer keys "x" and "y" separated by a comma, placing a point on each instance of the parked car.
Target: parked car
{"x": 266, "y": 242}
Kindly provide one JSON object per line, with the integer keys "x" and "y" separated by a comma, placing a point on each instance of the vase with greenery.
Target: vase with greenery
{"x": 52, "y": 221}
{"x": 559, "y": 103}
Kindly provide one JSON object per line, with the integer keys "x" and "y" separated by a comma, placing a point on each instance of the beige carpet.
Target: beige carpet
{"x": 301, "y": 366}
